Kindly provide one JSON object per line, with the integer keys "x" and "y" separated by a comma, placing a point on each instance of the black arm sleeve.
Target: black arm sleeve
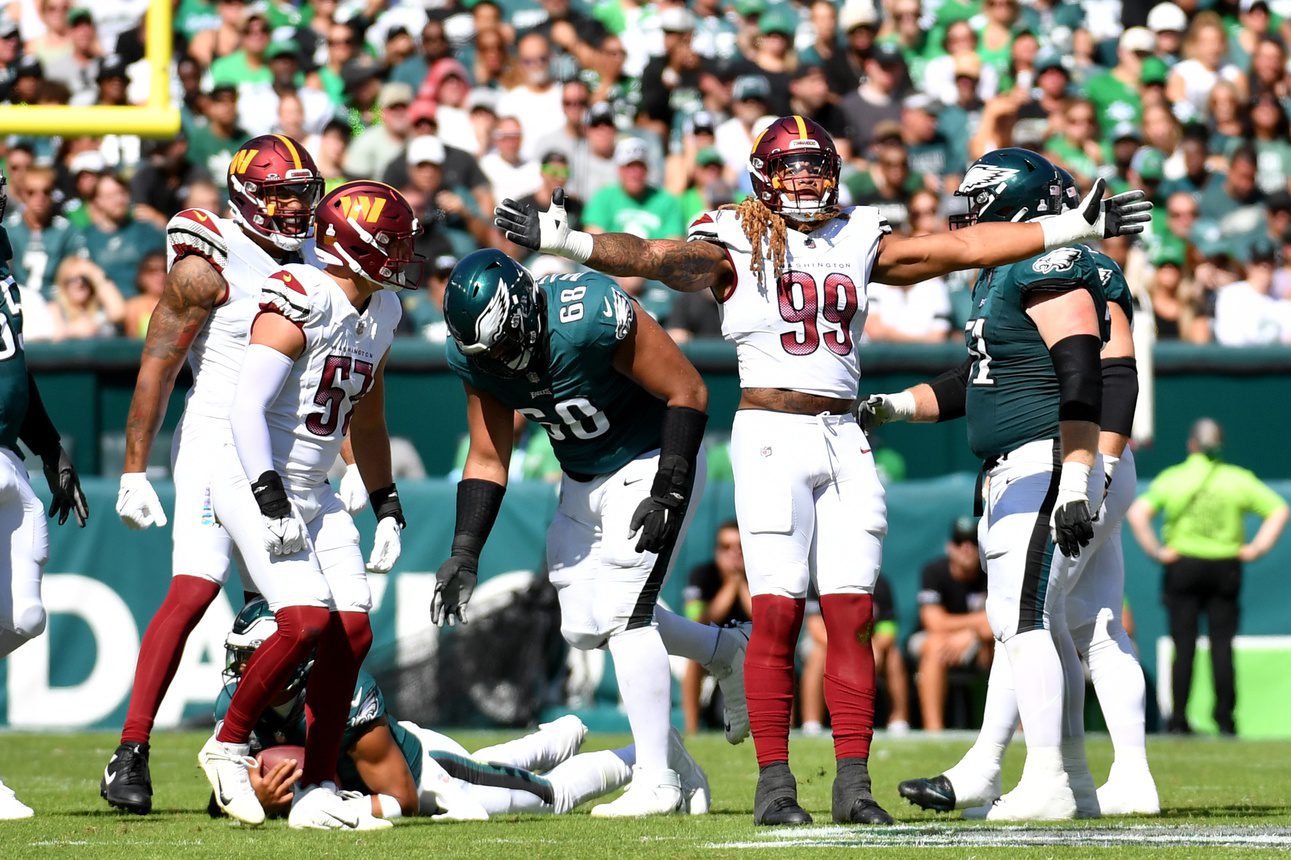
{"x": 1120, "y": 394}
{"x": 682, "y": 433}
{"x": 478, "y": 503}
{"x": 38, "y": 432}
{"x": 1080, "y": 377}
{"x": 950, "y": 389}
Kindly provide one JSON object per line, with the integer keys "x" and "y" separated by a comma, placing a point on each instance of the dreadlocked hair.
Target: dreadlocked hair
{"x": 761, "y": 223}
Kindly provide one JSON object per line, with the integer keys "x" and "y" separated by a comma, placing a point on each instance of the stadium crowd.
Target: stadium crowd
{"x": 645, "y": 113}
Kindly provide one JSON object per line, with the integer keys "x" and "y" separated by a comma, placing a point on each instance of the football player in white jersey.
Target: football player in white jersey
{"x": 313, "y": 373}
{"x": 790, "y": 270}
{"x": 215, "y": 269}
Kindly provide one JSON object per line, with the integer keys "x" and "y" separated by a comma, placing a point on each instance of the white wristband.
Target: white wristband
{"x": 1069, "y": 228}
{"x": 1074, "y": 480}
{"x": 578, "y": 246}
{"x": 390, "y": 808}
{"x": 132, "y": 480}
{"x": 902, "y": 404}
{"x": 1109, "y": 467}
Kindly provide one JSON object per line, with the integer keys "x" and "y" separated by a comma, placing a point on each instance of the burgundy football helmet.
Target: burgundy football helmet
{"x": 274, "y": 186}
{"x": 790, "y": 148}
{"x": 368, "y": 228}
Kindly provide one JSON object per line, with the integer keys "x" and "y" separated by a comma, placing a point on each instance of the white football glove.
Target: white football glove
{"x": 351, "y": 491}
{"x": 137, "y": 502}
{"x": 1096, "y": 219}
{"x": 386, "y": 547}
{"x": 878, "y": 409}
{"x": 547, "y": 232}
{"x": 285, "y": 535}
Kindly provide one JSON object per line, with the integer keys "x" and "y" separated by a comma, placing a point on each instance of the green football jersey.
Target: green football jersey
{"x": 13, "y": 361}
{"x": 1116, "y": 290}
{"x": 1012, "y": 396}
{"x": 598, "y": 419}
{"x": 286, "y": 725}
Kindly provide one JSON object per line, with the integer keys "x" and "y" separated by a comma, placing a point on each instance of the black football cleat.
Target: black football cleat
{"x": 936, "y": 793}
{"x": 776, "y": 801}
{"x": 126, "y": 782}
{"x": 853, "y": 802}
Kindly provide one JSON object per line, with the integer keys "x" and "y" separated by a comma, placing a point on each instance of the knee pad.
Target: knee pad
{"x": 29, "y": 621}
{"x": 583, "y": 639}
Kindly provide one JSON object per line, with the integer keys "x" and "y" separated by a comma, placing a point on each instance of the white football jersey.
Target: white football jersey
{"x": 215, "y": 356}
{"x": 343, "y": 348}
{"x": 801, "y": 333}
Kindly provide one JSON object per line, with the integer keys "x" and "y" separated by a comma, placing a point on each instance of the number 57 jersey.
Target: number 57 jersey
{"x": 598, "y": 419}
{"x": 344, "y": 346}
{"x": 800, "y": 332}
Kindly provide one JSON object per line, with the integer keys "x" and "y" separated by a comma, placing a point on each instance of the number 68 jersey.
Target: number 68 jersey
{"x": 799, "y": 333}
{"x": 344, "y": 346}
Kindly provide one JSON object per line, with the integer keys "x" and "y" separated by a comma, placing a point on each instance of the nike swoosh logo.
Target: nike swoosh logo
{"x": 221, "y": 798}
{"x": 627, "y": 482}
{"x": 109, "y": 778}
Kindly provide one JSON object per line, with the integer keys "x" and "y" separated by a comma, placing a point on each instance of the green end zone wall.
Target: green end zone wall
{"x": 103, "y": 583}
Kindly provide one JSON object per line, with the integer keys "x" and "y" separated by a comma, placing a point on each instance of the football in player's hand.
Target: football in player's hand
{"x": 273, "y": 756}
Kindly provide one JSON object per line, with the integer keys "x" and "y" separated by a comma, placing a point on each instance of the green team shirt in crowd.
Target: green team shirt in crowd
{"x": 1115, "y": 101}
{"x": 1204, "y": 502}
{"x": 13, "y": 360}
{"x": 1116, "y": 290}
{"x": 286, "y": 725}
{"x": 1013, "y": 395}
{"x": 656, "y": 215}
{"x": 598, "y": 419}
{"x": 119, "y": 253}
{"x": 37, "y": 253}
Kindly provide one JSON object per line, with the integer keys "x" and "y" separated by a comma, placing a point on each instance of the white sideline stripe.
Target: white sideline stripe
{"x": 1252, "y": 836}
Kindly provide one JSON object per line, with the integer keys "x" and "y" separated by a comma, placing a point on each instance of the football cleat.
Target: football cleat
{"x": 566, "y": 735}
{"x": 853, "y": 802}
{"x": 1051, "y": 801}
{"x": 936, "y": 793}
{"x": 776, "y": 801}
{"x": 727, "y": 667}
{"x": 1127, "y": 793}
{"x": 126, "y": 782}
{"x": 319, "y": 807}
{"x": 650, "y": 793}
{"x": 11, "y": 808}
{"x": 225, "y": 766}
{"x": 696, "y": 796}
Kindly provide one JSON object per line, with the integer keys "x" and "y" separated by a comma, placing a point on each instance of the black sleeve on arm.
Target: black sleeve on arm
{"x": 1120, "y": 394}
{"x": 683, "y": 433}
{"x": 1080, "y": 377}
{"x": 949, "y": 390}
{"x": 478, "y": 503}
{"x": 38, "y": 432}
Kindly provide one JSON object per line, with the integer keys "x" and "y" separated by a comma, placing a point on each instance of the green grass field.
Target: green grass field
{"x": 1219, "y": 797}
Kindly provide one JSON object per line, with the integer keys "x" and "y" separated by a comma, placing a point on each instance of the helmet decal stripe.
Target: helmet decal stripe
{"x": 291, "y": 147}
{"x": 802, "y": 127}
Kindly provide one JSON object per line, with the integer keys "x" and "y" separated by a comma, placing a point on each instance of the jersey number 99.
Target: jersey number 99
{"x": 801, "y": 303}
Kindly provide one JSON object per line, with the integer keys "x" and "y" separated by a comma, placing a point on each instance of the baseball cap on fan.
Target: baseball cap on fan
{"x": 426, "y": 148}
{"x": 1167, "y": 17}
{"x": 630, "y": 150}
{"x": 963, "y": 529}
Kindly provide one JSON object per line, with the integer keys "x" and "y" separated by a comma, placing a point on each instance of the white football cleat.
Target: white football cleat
{"x": 225, "y": 766}
{"x": 1029, "y": 801}
{"x": 655, "y": 792}
{"x": 727, "y": 666}
{"x": 319, "y": 807}
{"x": 696, "y": 796}
{"x": 1129, "y": 792}
{"x": 567, "y": 734}
{"x": 11, "y": 808}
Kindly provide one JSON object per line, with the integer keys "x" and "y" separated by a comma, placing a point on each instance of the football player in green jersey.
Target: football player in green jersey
{"x": 23, "y": 418}
{"x": 626, "y": 413}
{"x": 1032, "y": 393}
{"x": 391, "y": 768}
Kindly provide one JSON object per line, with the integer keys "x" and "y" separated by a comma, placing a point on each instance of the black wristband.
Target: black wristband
{"x": 271, "y": 496}
{"x": 37, "y": 431}
{"x": 1080, "y": 377}
{"x": 950, "y": 390}
{"x": 478, "y": 503}
{"x": 385, "y": 503}
{"x": 682, "y": 433}
{"x": 1120, "y": 395}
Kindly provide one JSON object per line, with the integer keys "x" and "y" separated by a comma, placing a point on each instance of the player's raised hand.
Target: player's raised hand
{"x": 285, "y": 532}
{"x": 547, "y": 232}
{"x": 65, "y": 488}
{"x": 1096, "y": 218}
{"x": 386, "y": 546}
{"x": 454, "y": 585}
{"x": 137, "y": 502}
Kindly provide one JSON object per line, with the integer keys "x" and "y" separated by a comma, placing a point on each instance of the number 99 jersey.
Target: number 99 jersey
{"x": 799, "y": 333}
{"x": 598, "y": 419}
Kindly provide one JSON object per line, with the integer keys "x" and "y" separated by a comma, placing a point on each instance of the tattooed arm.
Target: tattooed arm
{"x": 193, "y": 288}
{"x": 687, "y": 267}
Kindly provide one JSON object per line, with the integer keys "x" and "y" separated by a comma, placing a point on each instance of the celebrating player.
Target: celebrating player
{"x": 23, "y": 417}
{"x": 1094, "y": 582}
{"x": 216, "y": 266}
{"x": 399, "y": 768}
{"x": 313, "y": 372}
{"x": 790, "y": 270}
{"x": 626, "y": 414}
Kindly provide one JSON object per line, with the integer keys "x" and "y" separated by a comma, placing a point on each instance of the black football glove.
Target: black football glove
{"x": 454, "y": 585}
{"x": 1072, "y": 525}
{"x": 658, "y": 518}
{"x": 65, "y": 489}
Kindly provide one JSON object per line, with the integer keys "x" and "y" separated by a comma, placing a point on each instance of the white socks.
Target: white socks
{"x": 1118, "y": 680}
{"x": 645, "y": 684}
{"x": 1038, "y": 681}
